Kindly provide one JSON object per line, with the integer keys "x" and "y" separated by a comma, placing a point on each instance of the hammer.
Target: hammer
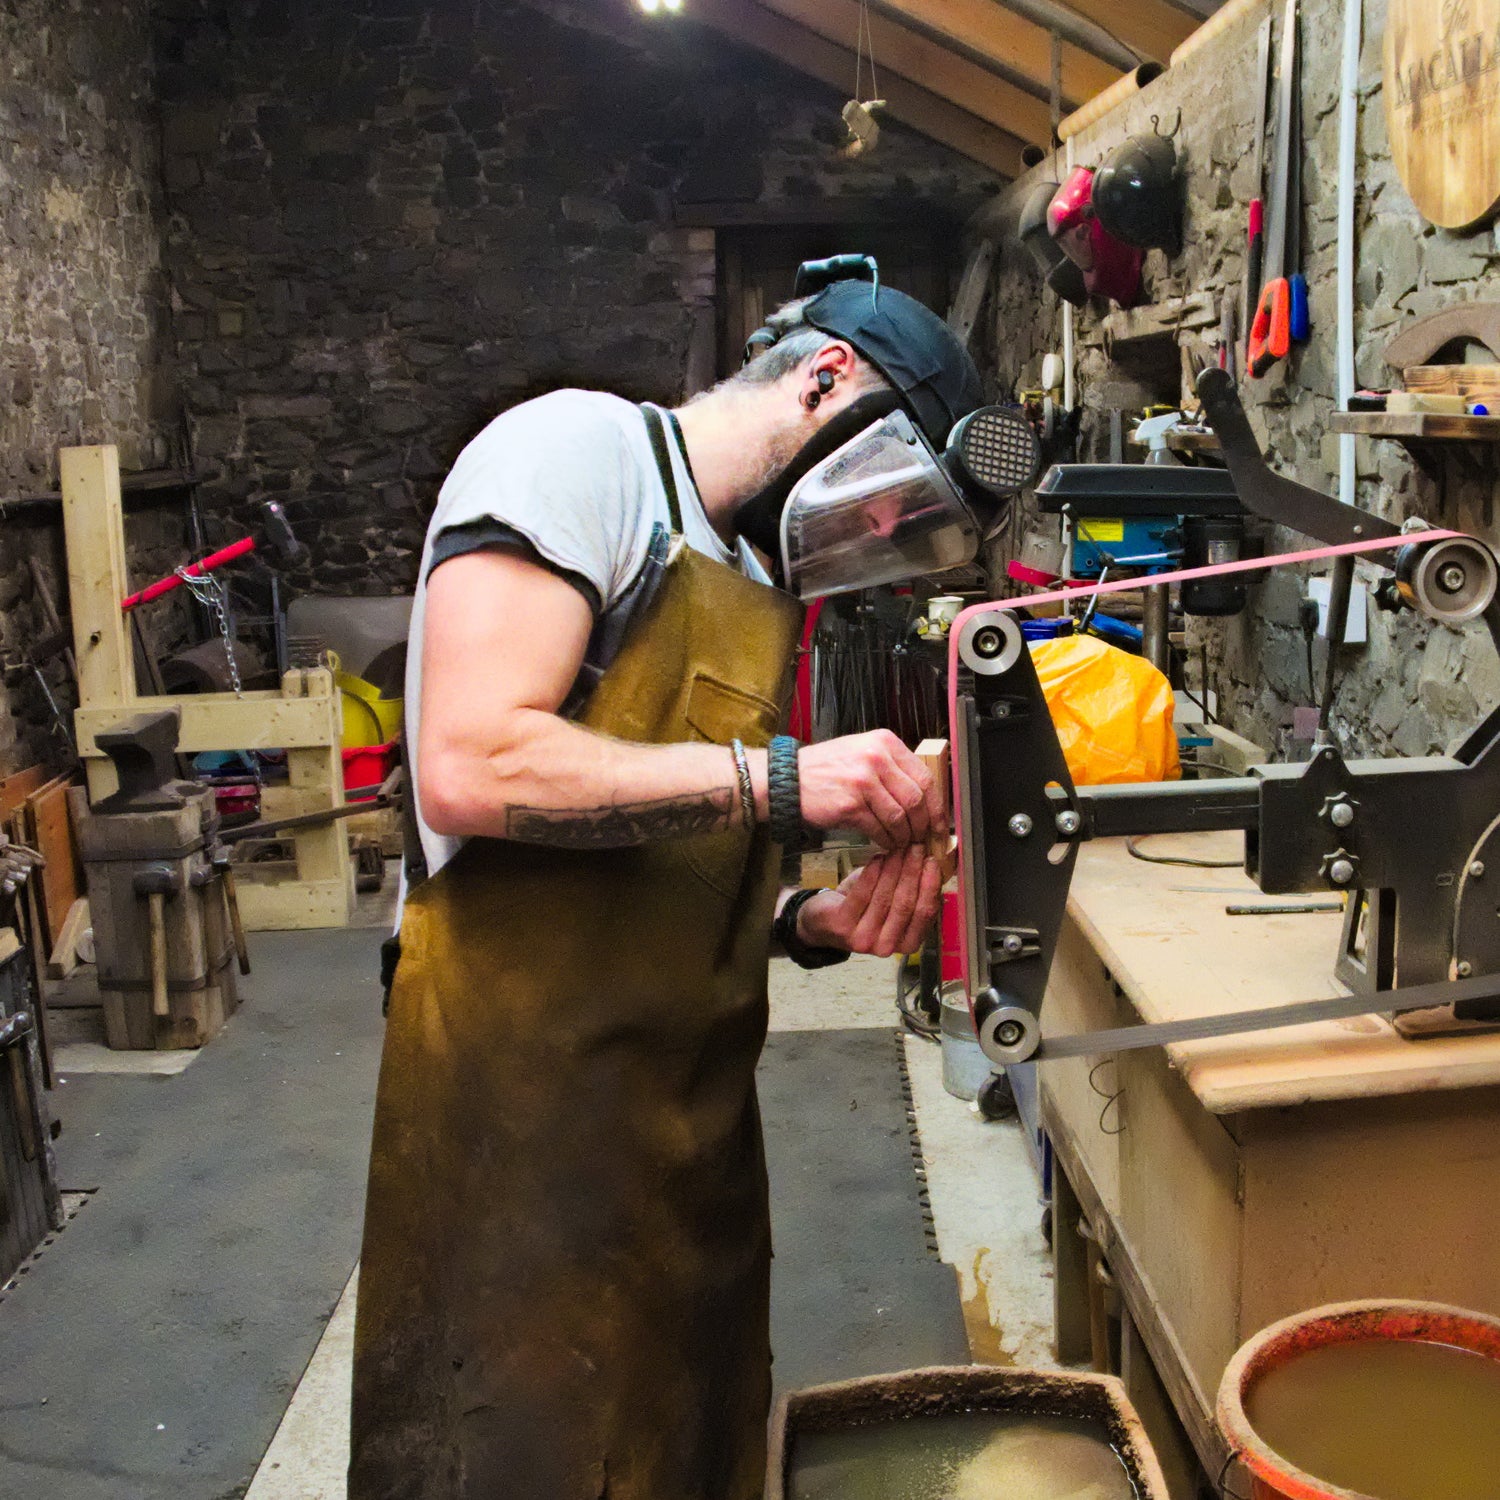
{"x": 156, "y": 883}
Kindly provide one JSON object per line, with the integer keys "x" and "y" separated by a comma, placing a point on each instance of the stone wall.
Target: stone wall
{"x": 391, "y": 219}
{"x": 1416, "y": 686}
{"x": 82, "y": 302}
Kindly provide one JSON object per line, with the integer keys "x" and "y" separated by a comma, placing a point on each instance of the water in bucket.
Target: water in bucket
{"x": 960, "y": 1456}
{"x": 1386, "y": 1418}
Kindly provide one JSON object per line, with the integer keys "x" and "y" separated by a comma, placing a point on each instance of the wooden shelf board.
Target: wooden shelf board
{"x": 1420, "y": 426}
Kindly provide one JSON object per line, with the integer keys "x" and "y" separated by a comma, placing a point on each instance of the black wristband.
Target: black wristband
{"x": 785, "y": 792}
{"x": 784, "y": 930}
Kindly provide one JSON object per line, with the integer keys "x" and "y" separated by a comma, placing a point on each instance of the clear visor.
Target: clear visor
{"x": 879, "y": 510}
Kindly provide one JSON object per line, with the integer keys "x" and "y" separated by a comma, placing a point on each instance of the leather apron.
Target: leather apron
{"x": 565, "y": 1275}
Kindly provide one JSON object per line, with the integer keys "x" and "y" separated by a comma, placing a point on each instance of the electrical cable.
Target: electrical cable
{"x": 914, "y": 1021}
{"x": 1132, "y": 847}
{"x": 1110, "y": 1099}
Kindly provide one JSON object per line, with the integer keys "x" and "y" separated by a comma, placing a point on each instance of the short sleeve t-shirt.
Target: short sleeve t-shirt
{"x": 572, "y": 480}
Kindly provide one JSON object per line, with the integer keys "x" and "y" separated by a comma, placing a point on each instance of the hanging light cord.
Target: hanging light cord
{"x": 864, "y": 42}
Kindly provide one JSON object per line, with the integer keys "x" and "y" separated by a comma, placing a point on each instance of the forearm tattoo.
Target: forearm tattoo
{"x": 624, "y": 824}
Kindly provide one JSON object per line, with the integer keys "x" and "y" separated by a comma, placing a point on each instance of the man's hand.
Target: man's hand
{"x": 884, "y": 908}
{"x": 872, "y": 783}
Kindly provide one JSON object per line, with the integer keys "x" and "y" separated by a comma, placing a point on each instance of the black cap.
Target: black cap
{"x": 910, "y": 345}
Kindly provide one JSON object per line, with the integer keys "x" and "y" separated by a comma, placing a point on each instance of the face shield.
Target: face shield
{"x": 884, "y": 508}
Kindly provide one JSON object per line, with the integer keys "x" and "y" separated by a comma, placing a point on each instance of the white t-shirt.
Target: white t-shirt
{"x": 573, "y": 473}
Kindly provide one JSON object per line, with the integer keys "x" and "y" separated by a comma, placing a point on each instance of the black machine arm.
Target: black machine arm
{"x": 1414, "y": 842}
{"x": 1269, "y": 495}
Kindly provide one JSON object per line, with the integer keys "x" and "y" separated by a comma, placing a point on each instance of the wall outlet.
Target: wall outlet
{"x": 1357, "y": 625}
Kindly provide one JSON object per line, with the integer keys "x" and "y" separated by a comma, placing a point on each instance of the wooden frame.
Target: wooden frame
{"x": 304, "y": 718}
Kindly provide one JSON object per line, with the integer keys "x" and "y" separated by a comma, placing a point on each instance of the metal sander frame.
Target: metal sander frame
{"x": 1411, "y": 840}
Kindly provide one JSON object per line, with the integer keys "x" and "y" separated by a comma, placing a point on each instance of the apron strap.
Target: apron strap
{"x": 657, "y": 431}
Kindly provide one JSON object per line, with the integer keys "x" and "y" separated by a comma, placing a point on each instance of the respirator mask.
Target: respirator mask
{"x": 886, "y": 508}
{"x": 869, "y": 501}
{"x": 907, "y": 480}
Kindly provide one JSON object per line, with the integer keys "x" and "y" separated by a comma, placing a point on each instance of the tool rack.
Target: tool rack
{"x": 304, "y": 717}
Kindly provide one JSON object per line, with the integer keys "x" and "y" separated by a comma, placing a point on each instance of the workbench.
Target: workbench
{"x": 1235, "y": 1181}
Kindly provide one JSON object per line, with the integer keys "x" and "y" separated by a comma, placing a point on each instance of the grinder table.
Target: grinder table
{"x": 1238, "y": 1180}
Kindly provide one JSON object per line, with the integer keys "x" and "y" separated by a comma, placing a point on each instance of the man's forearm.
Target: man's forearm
{"x": 555, "y": 782}
{"x": 614, "y": 826}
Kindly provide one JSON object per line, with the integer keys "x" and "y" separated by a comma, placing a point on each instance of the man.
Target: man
{"x": 564, "y": 1281}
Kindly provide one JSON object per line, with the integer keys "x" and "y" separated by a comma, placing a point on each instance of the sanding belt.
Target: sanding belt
{"x": 1234, "y": 1023}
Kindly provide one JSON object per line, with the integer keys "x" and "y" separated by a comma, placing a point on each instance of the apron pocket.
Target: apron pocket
{"x": 718, "y": 712}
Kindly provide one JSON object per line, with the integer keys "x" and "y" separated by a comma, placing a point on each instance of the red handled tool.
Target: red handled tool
{"x": 1255, "y": 244}
{"x": 172, "y": 581}
{"x": 1271, "y": 328}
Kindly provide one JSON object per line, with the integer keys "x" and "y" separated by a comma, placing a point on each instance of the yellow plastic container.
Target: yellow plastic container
{"x": 369, "y": 719}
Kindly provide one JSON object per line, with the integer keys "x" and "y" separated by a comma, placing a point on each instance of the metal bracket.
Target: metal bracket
{"x": 1007, "y": 944}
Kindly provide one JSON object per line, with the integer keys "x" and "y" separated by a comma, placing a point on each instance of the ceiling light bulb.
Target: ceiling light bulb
{"x": 651, "y": 6}
{"x": 673, "y": 4}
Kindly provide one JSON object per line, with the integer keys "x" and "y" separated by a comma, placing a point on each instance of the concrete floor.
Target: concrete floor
{"x": 98, "y": 1334}
{"x": 985, "y": 1209}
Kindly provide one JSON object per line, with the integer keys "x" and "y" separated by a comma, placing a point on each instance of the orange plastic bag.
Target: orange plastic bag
{"x": 1113, "y": 711}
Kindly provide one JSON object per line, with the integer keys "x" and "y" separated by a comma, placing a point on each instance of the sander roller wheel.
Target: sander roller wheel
{"x": 1450, "y": 582}
{"x": 990, "y": 643}
{"x": 1007, "y": 1034}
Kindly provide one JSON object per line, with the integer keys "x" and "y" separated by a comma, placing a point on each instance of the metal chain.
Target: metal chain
{"x": 212, "y": 595}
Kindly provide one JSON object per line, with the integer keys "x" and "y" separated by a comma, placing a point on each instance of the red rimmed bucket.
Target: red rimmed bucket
{"x": 1273, "y": 1476}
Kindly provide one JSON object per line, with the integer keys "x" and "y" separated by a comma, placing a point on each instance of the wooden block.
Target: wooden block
{"x": 820, "y": 870}
{"x": 64, "y": 956}
{"x": 293, "y": 905}
{"x": 944, "y": 848}
{"x": 1401, "y": 403}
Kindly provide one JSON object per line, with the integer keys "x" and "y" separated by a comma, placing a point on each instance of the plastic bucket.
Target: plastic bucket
{"x": 369, "y": 719}
{"x": 1097, "y": 1399}
{"x": 1273, "y": 1477}
{"x": 966, "y": 1069}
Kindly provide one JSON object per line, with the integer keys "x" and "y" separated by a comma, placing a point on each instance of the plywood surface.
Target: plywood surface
{"x": 14, "y": 790}
{"x": 62, "y": 875}
{"x": 1176, "y": 953}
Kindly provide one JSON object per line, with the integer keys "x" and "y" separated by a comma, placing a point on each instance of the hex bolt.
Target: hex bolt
{"x": 1020, "y": 825}
{"x": 988, "y": 642}
{"x": 1450, "y": 578}
{"x": 1008, "y": 1033}
{"x": 1465, "y": 968}
{"x": 1068, "y": 823}
{"x": 1341, "y": 814}
{"x": 1476, "y": 870}
{"x": 1341, "y": 871}
{"x": 1012, "y": 943}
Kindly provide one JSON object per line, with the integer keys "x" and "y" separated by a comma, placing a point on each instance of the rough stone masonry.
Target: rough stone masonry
{"x": 1416, "y": 687}
{"x": 84, "y": 344}
{"x": 391, "y": 219}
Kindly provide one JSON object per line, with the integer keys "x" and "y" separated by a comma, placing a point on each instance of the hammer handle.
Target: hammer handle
{"x": 237, "y": 927}
{"x": 156, "y": 905}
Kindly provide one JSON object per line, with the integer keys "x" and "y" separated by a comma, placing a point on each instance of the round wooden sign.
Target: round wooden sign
{"x": 1442, "y": 106}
